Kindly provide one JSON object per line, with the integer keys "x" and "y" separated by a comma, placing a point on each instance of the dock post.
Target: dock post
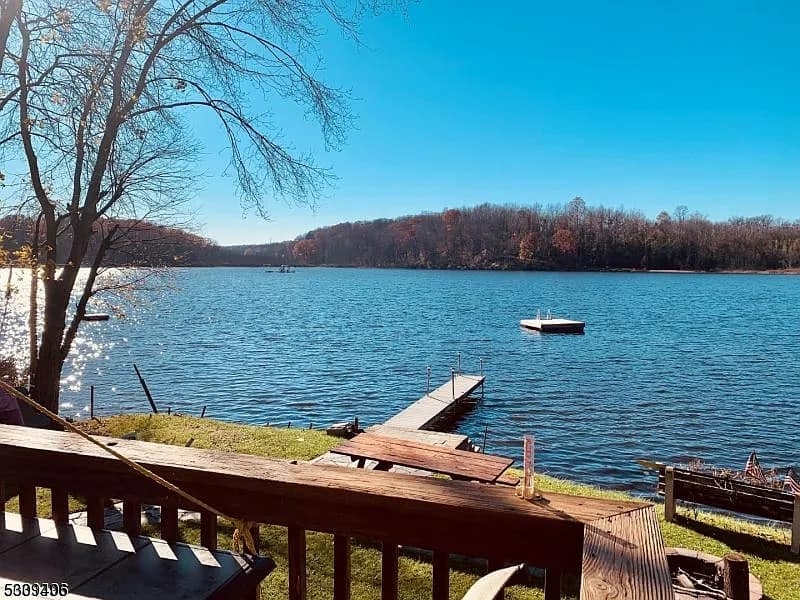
{"x": 459, "y": 362}
{"x": 453, "y": 380}
{"x": 480, "y": 360}
{"x": 669, "y": 494}
{"x": 91, "y": 402}
{"x": 428, "y": 380}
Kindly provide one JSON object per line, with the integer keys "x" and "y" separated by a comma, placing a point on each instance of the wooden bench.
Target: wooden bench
{"x": 624, "y": 558}
{"x": 112, "y": 565}
{"x": 459, "y": 464}
{"x": 729, "y": 494}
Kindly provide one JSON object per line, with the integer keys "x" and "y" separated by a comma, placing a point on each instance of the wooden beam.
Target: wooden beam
{"x": 669, "y": 491}
{"x": 796, "y": 525}
{"x": 441, "y": 575}
{"x": 297, "y": 564}
{"x": 341, "y": 567}
{"x": 389, "y": 570}
{"x": 59, "y": 505}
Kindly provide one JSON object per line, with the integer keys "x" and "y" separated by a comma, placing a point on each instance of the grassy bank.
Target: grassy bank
{"x": 766, "y": 548}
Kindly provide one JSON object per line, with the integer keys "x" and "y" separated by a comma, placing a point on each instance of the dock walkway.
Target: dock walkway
{"x": 438, "y": 404}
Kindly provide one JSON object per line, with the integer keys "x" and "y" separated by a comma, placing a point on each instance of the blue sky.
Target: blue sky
{"x": 641, "y": 105}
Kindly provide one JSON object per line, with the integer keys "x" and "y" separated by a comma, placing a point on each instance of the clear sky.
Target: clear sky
{"x": 641, "y": 105}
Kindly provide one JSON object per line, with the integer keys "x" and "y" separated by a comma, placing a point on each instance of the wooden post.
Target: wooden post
{"x": 208, "y": 530}
{"x": 389, "y": 571}
{"x": 95, "y": 513}
{"x": 91, "y": 402}
{"x": 736, "y": 577}
{"x": 552, "y": 584}
{"x": 669, "y": 494}
{"x": 169, "y": 520}
{"x": 131, "y": 516}
{"x": 453, "y": 381}
{"x": 146, "y": 390}
{"x": 341, "y": 567}
{"x": 796, "y": 525}
{"x": 59, "y": 505}
{"x": 27, "y": 500}
{"x": 441, "y": 575}
{"x": 297, "y": 564}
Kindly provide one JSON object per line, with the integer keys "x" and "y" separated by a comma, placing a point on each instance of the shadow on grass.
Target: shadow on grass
{"x": 741, "y": 542}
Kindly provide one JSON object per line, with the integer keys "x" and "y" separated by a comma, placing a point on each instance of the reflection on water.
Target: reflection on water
{"x": 671, "y": 365}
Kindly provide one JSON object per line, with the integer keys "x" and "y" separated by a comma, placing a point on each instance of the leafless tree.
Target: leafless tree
{"x": 94, "y": 98}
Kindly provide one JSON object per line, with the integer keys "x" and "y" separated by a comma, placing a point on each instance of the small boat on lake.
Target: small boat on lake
{"x": 550, "y": 324}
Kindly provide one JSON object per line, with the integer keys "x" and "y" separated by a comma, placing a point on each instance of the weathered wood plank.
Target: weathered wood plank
{"x": 389, "y": 570}
{"x": 457, "y": 441}
{"x": 341, "y": 567}
{"x": 440, "y": 459}
{"x": 624, "y": 559}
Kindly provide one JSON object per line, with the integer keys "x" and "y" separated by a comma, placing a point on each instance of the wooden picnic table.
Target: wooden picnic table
{"x": 459, "y": 464}
{"x": 84, "y": 563}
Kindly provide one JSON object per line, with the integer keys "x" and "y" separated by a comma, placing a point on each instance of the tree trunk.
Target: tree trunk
{"x": 47, "y": 378}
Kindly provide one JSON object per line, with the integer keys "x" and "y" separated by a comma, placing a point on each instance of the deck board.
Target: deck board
{"x": 624, "y": 558}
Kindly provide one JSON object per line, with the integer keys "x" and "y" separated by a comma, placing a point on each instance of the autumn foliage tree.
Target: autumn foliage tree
{"x": 93, "y": 131}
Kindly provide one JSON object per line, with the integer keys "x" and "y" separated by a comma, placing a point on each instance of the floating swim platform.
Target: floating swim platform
{"x": 551, "y": 324}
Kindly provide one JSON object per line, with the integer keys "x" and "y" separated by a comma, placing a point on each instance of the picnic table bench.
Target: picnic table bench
{"x": 87, "y": 563}
{"x": 458, "y": 464}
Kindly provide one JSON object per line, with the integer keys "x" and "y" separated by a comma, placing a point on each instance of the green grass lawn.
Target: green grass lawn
{"x": 766, "y": 548}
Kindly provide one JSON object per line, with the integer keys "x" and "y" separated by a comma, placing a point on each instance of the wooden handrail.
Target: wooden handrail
{"x": 447, "y": 517}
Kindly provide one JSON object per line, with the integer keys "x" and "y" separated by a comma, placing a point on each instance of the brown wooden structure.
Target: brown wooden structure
{"x": 729, "y": 494}
{"x": 439, "y": 404}
{"x": 389, "y": 451}
{"x": 447, "y": 517}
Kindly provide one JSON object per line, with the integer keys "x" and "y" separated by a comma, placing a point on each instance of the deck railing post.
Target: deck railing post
{"x": 796, "y": 525}
{"x": 669, "y": 494}
{"x": 341, "y": 567}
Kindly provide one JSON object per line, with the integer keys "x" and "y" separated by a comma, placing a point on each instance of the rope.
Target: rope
{"x": 242, "y": 537}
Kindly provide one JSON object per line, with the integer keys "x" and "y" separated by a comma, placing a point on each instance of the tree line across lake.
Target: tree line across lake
{"x": 569, "y": 237}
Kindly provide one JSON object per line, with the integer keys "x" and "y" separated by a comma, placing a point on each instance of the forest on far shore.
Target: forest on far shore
{"x": 563, "y": 237}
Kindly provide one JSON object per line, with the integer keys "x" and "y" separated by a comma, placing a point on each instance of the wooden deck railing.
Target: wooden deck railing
{"x": 447, "y": 517}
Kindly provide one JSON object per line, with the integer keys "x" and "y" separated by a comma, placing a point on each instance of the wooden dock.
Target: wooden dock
{"x": 437, "y": 405}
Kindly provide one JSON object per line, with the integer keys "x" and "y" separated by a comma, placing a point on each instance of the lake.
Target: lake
{"x": 672, "y": 366}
